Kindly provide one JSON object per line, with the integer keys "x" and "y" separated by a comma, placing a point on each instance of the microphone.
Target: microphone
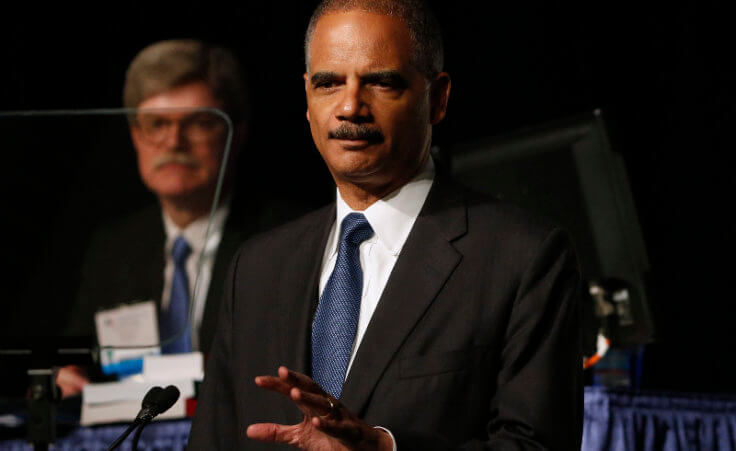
{"x": 148, "y": 402}
{"x": 158, "y": 400}
{"x": 162, "y": 402}
{"x": 166, "y": 399}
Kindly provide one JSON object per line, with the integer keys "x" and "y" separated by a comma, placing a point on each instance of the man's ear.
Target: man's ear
{"x": 135, "y": 134}
{"x": 306, "y": 88}
{"x": 440, "y": 94}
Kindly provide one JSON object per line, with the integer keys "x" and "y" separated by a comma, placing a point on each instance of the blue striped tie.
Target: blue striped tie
{"x": 336, "y": 319}
{"x": 175, "y": 319}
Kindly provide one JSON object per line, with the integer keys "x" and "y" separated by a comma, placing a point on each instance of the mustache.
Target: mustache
{"x": 175, "y": 158}
{"x": 356, "y": 132}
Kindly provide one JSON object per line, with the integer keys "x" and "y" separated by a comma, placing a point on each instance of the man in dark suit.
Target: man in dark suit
{"x": 410, "y": 314}
{"x": 180, "y": 143}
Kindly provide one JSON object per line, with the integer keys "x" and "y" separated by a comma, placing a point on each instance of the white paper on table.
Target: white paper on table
{"x": 129, "y": 390}
{"x": 173, "y": 366}
{"x": 125, "y": 411}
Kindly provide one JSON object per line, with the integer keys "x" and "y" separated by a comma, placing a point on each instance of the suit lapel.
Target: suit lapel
{"x": 299, "y": 297}
{"x": 426, "y": 261}
{"x": 146, "y": 273}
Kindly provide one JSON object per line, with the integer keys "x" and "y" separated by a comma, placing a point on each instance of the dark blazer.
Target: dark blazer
{"x": 474, "y": 343}
{"x": 125, "y": 262}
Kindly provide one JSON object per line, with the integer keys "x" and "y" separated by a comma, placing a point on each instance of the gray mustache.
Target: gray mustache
{"x": 178, "y": 158}
{"x": 356, "y": 132}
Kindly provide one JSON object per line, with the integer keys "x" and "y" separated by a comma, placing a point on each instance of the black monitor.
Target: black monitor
{"x": 567, "y": 171}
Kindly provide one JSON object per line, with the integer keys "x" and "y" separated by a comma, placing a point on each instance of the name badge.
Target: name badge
{"x": 126, "y": 334}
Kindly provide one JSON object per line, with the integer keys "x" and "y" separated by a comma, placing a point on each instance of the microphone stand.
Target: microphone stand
{"x": 42, "y": 406}
{"x": 137, "y": 435}
{"x": 125, "y": 434}
{"x": 39, "y": 357}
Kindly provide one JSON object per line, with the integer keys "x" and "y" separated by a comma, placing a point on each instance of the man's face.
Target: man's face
{"x": 179, "y": 151}
{"x": 369, "y": 109}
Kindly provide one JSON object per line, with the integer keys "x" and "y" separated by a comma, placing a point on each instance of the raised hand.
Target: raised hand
{"x": 327, "y": 424}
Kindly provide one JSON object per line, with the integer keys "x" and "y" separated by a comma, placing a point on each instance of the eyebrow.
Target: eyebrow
{"x": 321, "y": 77}
{"x": 389, "y": 77}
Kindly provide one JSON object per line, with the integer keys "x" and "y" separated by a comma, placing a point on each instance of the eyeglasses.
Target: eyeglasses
{"x": 196, "y": 127}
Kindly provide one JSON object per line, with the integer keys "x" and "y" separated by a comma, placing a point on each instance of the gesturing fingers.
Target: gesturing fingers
{"x": 326, "y": 424}
{"x": 274, "y": 384}
{"x": 299, "y": 380}
{"x": 305, "y": 393}
{"x": 287, "y": 379}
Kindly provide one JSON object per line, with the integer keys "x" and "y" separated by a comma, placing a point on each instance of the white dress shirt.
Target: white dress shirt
{"x": 391, "y": 218}
{"x": 204, "y": 249}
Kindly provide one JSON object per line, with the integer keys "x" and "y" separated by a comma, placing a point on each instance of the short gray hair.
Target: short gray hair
{"x": 424, "y": 29}
{"x": 167, "y": 64}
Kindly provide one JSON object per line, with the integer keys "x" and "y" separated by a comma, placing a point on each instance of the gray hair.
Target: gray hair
{"x": 167, "y": 64}
{"x": 428, "y": 49}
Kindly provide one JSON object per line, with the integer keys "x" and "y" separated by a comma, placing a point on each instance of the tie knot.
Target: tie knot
{"x": 355, "y": 229}
{"x": 180, "y": 251}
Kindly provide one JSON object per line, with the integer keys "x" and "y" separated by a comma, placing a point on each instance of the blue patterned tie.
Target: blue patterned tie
{"x": 336, "y": 319}
{"x": 175, "y": 318}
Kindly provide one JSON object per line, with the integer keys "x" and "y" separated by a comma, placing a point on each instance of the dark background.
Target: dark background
{"x": 660, "y": 74}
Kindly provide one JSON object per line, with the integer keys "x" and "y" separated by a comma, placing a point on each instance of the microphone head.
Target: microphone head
{"x": 150, "y": 399}
{"x": 166, "y": 399}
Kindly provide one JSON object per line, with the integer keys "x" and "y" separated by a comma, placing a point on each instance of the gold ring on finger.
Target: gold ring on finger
{"x": 334, "y": 408}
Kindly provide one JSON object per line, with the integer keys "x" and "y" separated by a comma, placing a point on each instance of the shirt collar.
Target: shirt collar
{"x": 195, "y": 232}
{"x": 393, "y": 216}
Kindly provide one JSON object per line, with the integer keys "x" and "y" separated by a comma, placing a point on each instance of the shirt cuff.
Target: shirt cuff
{"x": 393, "y": 439}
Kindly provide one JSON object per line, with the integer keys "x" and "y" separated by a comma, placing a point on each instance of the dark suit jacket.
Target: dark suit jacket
{"x": 125, "y": 262}
{"x": 474, "y": 343}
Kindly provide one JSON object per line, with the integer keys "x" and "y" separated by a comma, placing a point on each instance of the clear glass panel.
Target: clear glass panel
{"x": 83, "y": 220}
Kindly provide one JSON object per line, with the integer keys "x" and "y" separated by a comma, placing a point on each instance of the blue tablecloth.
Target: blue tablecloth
{"x": 159, "y": 436}
{"x": 614, "y": 420}
{"x": 618, "y": 420}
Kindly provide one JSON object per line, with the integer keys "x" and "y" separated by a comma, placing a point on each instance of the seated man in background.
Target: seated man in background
{"x": 153, "y": 254}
